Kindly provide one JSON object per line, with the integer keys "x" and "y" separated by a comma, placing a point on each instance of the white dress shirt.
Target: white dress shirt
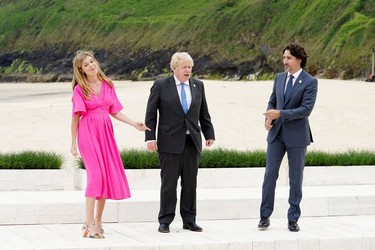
{"x": 295, "y": 76}
{"x": 187, "y": 90}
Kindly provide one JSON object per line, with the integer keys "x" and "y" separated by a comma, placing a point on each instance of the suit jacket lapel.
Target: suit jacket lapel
{"x": 193, "y": 91}
{"x": 281, "y": 85}
{"x": 173, "y": 90}
{"x": 297, "y": 84}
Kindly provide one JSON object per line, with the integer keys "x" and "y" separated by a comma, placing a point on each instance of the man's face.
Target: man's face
{"x": 183, "y": 71}
{"x": 291, "y": 63}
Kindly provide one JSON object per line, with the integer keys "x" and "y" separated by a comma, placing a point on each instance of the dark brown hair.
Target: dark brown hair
{"x": 297, "y": 51}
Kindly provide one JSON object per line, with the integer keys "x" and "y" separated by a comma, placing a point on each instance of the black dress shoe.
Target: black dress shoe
{"x": 163, "y": 228}
{"x": 264, "y": 223}
{"x": 192, "y": 227}
{"x": 293, "y": 226}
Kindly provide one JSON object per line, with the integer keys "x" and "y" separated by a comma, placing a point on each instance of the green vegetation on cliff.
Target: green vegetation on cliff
{"x": 227, "y": 37}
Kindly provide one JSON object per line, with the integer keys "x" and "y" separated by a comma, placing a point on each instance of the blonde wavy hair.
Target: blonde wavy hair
{"x": 79, "y": 77}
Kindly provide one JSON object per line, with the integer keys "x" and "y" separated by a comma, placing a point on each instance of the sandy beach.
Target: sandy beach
{"x": 36, "y": 116}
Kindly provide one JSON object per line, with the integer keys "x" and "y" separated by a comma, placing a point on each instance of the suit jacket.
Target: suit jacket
{"x": 173, "y": 123}
{"x": 295, "y": 110}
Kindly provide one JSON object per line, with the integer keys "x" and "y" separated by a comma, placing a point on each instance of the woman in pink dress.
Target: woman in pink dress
{"x": 94, "y": 99}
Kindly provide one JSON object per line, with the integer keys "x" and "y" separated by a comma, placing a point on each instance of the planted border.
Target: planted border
{"x": 31, "y": 160}
{"x": 226, "y": 158}
{"x": 348, "y": 158}
{"x": 216, "y": 158}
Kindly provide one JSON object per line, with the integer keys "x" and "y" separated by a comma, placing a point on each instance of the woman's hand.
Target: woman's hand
{"x": 141, "y": 126}
{"x": 74, "y": 150}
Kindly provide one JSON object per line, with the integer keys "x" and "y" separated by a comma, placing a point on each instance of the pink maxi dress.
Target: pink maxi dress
{"x": 96, "y": 142}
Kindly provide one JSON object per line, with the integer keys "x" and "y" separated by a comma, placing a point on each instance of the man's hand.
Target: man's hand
{"x": 272, "y": 114}
{"x": 268, "y": 124}
{"x": 152, "y": 146}
{"x": 209, "y": 142}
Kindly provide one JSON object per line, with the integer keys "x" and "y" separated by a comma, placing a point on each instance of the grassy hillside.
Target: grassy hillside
{"x": 226, "y": 37}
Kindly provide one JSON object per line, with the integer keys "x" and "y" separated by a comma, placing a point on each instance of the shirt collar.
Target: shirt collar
{"x": 178, "y": 81}
{"x": 295, "y": 75}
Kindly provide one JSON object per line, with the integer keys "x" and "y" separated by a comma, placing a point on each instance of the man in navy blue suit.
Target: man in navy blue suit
{"x": 291, "y": 103}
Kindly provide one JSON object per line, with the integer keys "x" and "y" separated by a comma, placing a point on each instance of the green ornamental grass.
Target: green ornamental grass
{"x": 139, "y": 159}
{"x": 31, "y": 160}
{"x": 348, "y": 158}
{"x": 215, "y": 158}
{"x": 227, "y": 158}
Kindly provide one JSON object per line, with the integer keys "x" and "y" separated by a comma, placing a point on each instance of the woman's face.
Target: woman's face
{"x": 89, "y": 66}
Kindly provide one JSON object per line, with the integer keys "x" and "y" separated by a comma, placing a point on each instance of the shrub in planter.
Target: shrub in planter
{"x": 348, "y": 158}
{"x": 216, "y": 158}
{"x": 227, "y": 158}
{"x": 31, "y": 160}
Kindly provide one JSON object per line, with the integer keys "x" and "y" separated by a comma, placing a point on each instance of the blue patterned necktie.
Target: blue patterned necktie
{"x": 289, "y": 87}
{"x": 183, "y": 98}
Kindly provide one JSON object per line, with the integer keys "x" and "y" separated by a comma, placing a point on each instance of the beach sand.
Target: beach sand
{"x": 36, "y": 116}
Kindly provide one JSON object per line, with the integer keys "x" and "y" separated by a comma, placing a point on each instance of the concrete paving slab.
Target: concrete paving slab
{"x": 323, "y": 233}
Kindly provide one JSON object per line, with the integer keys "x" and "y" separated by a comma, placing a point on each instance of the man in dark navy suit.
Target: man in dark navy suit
{"x": 183, "y": 116}
{"x": 291, "y": 103}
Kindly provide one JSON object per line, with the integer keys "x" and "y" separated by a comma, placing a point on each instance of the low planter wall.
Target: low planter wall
{"x": 32, "y": 179}
{"x": 207, "y": 178}
{"x": 247, "y": 177}
{"x": 339, "y": 175}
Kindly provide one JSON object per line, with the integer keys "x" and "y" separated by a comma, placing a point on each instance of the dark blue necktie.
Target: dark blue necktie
{"x": 289, "y": 87}
{"x": 183, "y": 98}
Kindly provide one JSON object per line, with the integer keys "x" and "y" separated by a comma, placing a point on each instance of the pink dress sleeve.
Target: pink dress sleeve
{"x": 116, "y": 105}
{"x": 78, "y": 102}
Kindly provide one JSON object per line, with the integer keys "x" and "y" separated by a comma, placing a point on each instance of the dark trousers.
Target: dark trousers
{"x": 172, "y": 167}
{"x": 296, "y": 161}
